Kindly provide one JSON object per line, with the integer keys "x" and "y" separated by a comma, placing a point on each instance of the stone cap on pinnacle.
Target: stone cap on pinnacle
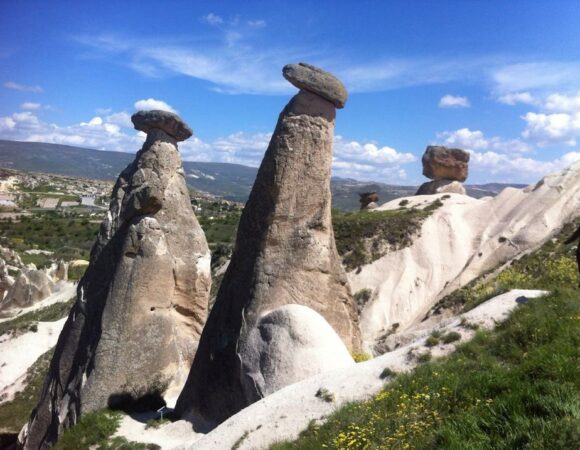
{"x": 167, "y": 121}
{"x": 318, "y": 81}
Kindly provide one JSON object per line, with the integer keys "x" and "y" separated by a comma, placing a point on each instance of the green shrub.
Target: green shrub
{"x": 361, "y": 357}
{"x": 450, "y": 337}
{"x": 432, "y": 341}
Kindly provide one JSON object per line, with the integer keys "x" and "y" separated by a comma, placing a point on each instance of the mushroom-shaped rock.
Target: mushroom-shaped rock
{"x": 285, "y": 253}
{"x": 142, "y": 302}
{"x": 368, "y": 200}
{"x": 310, "y": 78}
{"x": 167, "y": 121}
{"x": 442, "y": 163}
{"x": 287, "y": 345}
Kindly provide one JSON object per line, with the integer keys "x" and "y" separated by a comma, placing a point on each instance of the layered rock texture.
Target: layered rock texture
{"x": 464, "y": 238}
{"x": 285, "y": 254}
{"x": 447, "y": 167}
{"x": 142, "y": 302}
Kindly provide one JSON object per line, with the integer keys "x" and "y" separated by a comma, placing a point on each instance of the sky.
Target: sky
{"x": 499, "y": 79}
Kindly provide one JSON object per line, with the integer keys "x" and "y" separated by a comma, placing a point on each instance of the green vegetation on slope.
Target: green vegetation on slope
{"x": 365, "y": 236}
{"x": 95, "y": 431}
{"x": 69, "y": 236}
{"x": 51, "y": 313}
{"x": 516, "y": 387}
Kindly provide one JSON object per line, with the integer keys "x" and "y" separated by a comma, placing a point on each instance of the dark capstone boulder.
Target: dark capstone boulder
{"x": 442, "y": 163}
{"x": 313, "y": 79}
{"x": 163, "y": 120}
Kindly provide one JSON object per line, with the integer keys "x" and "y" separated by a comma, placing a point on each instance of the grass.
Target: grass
{"x": 51, "y": 313}
{"x": 95, "y": 430}
{"x": 513, "y": 388}
{"x": 365, "y": 236}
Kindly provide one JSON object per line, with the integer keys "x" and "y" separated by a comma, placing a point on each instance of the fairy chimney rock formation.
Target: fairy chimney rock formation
{"x": 368, "y": 200}
{"x": 447, "y": 167}
{"x": 285, "y": 253}
{"x": 143, "y": 300}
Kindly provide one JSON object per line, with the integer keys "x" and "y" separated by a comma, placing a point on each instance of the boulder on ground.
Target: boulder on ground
{"x": 285, "y": 253}
{"x": 141, "y": 305}
{"x": 287, "y": 345}
{"x": 442, "y": 163}
{"x": 441, "y": 187}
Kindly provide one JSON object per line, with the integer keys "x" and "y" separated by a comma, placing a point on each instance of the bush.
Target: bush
{"x": 450, "y": 337}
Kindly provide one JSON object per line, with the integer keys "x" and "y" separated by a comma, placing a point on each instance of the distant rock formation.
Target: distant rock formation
{"x": 142, "y": 302}
{"x": 368, "y": 200}
{"x": 29, "y": 287}
{"x": 285, "y": 251}
{"x": 6, "y": 281}
{"x": 447, "y": 167}
{"x": 459, "y": 241}
{"x": 59, "y": 271}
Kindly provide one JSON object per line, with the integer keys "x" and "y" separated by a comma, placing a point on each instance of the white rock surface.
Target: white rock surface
{"x": 459, "y": 241}
{"x": 287, "y": 345}
{"x": 284, "y": 414}
{"x": 19, "y": 353}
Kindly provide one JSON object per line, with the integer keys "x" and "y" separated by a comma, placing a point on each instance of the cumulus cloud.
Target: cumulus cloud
{"x": 212, "y": 19}
{"x": 151, "y": 103}
{"x": 565, "y": 103}
{"x": 21, "y": 87}
{"x": 492, "y": 163}
{"x": 552, "y": 128}
{"x": 475, "y": 140}
{"x": 453, "y": 101}
{"x": 512, "y": 98}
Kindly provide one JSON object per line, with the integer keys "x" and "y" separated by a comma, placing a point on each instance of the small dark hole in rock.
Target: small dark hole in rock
{"x": 152, "y": 308}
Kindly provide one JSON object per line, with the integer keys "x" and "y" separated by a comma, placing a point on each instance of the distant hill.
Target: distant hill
{"x": 230, "y": 181}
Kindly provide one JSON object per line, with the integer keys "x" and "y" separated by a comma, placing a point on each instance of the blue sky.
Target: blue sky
{"x": 501, "y": 79}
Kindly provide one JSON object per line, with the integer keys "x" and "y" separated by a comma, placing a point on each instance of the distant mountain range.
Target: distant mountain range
{"x": 230, "y": 181}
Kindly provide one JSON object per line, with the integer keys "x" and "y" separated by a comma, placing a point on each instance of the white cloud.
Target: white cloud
{"x": 212, "y": 19}
{"x": 21, "y": 87}
{"x": 563, "y": 103}
{"x": 552, "y": 128}
{"x": 151, "y": 103}
{"x": 103, "y": 111}
{"x": 122, "y": 119}
{"x": 453, "y": 101}
{"x": 542, "y": 75}
{"x": 475, "y": 140}
{"x": 494, "y": 164}
{"x": 512, "y": 98}
{"x": 30, "y": 105}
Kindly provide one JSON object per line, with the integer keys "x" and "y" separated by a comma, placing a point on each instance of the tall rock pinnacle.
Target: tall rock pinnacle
{"x": 285, "y": 252}
{"x": 143, "y": 300}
